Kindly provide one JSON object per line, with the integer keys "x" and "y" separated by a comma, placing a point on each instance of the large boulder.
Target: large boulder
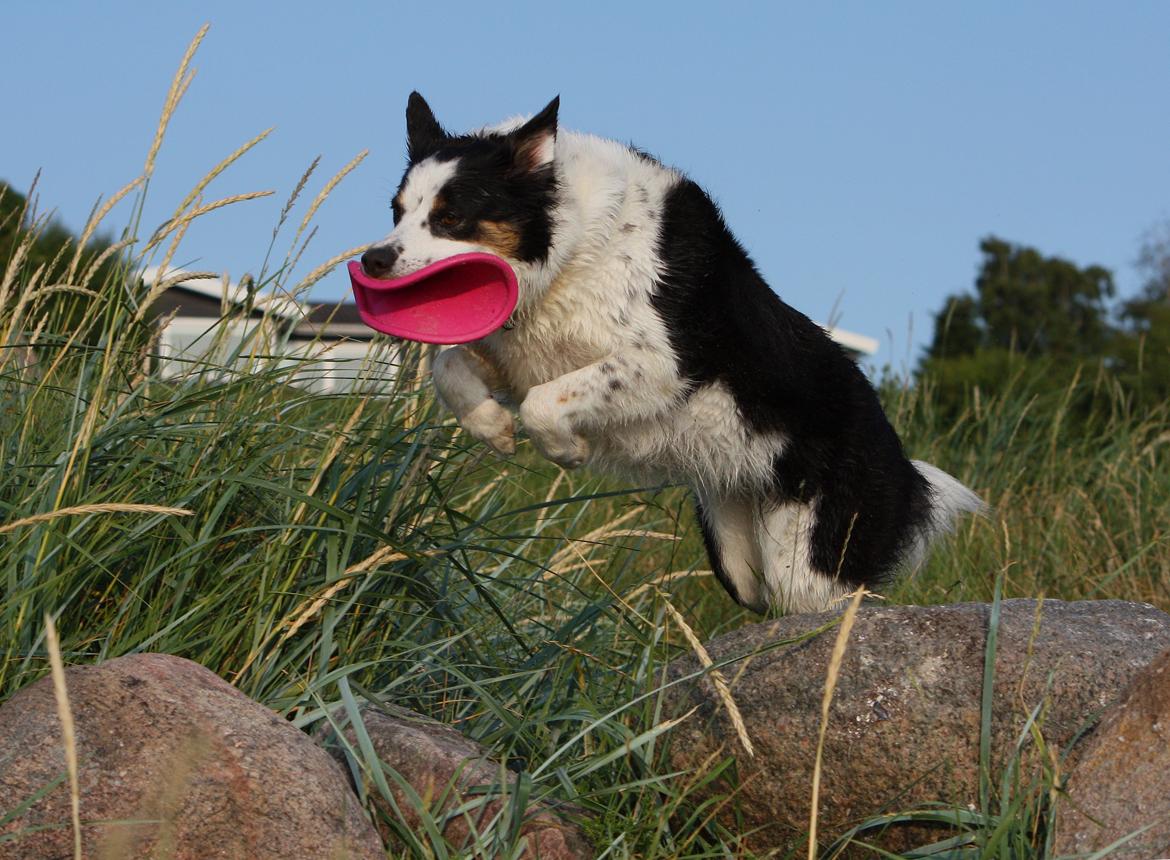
{"x": 447, "y": 772}
{"x": 173, "y": 762}
{"x": 1120, "y": 783}
{"x": 904, "y": 725}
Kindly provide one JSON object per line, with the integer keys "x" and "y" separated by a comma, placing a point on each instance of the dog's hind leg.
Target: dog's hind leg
{"x": 729, "y": 531}
{"x": 793, "y": 583}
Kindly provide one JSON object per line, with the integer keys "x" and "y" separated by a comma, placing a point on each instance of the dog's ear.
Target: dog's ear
{"x": 534, "y": 143}
{"x": 424, "y": 135}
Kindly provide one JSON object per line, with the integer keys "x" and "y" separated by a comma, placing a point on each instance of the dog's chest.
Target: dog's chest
{"x": 591, "y": 313}
{"x": 568, "y": 331}
{"x": 599, "y": 304}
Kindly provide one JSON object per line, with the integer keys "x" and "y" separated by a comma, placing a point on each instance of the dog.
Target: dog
{"x": 645, "y": 342}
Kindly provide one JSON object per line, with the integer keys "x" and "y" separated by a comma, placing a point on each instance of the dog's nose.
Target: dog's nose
{"x": 378, "y": 261}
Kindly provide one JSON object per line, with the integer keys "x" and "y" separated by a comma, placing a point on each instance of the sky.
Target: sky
{"x": 859, "y": 150}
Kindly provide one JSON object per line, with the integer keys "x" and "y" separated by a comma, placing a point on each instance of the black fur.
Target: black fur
{"x": 497, "y": 180}
{"x": 423, "y": 133}
{"x": 787, "y": 375}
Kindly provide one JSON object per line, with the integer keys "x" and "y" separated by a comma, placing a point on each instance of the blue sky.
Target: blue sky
{"x": 859, "y": 150}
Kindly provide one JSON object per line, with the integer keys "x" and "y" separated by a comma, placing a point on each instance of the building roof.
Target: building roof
{"x": 854, "y": 342}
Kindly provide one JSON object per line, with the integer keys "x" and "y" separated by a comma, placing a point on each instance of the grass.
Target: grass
{"x": 317, "y": 549}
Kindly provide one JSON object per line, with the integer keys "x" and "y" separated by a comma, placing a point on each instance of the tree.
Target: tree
{"x": 48, "y": 250}
{"x": 51, "y": 239}
{"x": 1143, "y": 340}
{"x": 1031, "y": 320}
{"x": 1027, "y": 303}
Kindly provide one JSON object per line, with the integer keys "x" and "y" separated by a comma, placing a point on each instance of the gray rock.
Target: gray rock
{"x": 176, "y": 763}
{"x": 1121, "y": 780}
{"x": 446, "y": 770}
{"x": 904, "y": 724}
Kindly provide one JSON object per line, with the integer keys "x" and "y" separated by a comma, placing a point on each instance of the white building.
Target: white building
{"x": 204, "y": 328}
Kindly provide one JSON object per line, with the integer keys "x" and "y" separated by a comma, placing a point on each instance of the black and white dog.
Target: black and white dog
{"x": 646, "y": 342}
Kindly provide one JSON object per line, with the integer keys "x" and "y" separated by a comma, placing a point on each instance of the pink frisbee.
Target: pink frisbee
{"x": 456, "y": 300}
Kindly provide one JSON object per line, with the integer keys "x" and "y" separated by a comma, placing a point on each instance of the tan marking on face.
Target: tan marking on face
{"x": 500, "y": 236}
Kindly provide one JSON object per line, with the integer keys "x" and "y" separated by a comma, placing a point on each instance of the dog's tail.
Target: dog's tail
{"x": 949, "y": 500}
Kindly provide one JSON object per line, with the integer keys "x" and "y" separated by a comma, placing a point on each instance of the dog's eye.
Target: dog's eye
{"x": 449, "y": 219}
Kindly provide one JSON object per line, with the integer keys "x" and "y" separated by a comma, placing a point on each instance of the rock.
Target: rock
{"x": 446, "y": 769}
{"x": 176, "y": 763}
{"x": 904, "y": 724}
{"x": 1120, "y": 782}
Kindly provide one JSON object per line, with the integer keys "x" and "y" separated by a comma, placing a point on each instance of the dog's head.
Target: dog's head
{"x": 490, "y": 191}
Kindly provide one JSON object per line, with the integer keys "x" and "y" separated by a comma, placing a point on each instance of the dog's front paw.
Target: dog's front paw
{"x": 492, "y": 424}
{"x": 566, "y": 450}
{"x": 550, "y": 431}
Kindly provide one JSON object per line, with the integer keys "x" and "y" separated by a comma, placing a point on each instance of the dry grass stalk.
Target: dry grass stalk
{"x": 665, "y": 578}
{"x": 484, "y": 490}
{"x": 36, "y": 336}
{"x": 834, "y": 672}
{"x": 327, "y": 267}
{"x": 199, "y": 211}
{"x": 68, "y": 735}
{"x": 61, "y": 288}
{"x": 307, "y": 612}
{"x": 158, "y": 289}
{"x": 238, "y": 153}
{"x": 296, "y": 192}
{"x": 716, "y": 676}
{"x": 92, "y": 269}
{"x": 644, "y": 533}
{"x": 21, "y": 296}
{"x": 92, "y": 224}
{"x": 165, "y": 283}
{"x": 328, "y": 189}
{"x": 14, "y": 264}
{"x": 594, "y": 537}
{"x": 111, "y": 507}
{"x": 589, "y": 566}
{"x": 179, "y": 85}
{"x": 307, "y": 609}
{"x": 542, "y": 515}
{"x": 341, "y": 439}
{"x": 572, "y": 649}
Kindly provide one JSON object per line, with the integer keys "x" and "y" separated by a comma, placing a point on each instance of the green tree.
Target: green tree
{"x": 1142, "y": 347}
{"x": 50, "y": 238}
{"x": 48, "y": 251}
{"x": 1027, "y": 303}
{"x": 1032, "y": 319}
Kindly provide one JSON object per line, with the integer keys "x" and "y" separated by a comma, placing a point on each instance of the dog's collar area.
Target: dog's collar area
{"x": 509, "y": 323}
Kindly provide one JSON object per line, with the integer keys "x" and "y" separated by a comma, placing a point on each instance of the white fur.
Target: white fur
{"x": 460, "y": 379}
{"x": 734, "y": 521}
{"x": 418, "y": 246}
{"x": 949, "y": 499}
{"x": 785, "y": 536}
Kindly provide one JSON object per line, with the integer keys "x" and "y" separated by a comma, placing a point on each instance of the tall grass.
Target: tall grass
{"x": 315, "y": 549}
{"x": 1079, "y": 502}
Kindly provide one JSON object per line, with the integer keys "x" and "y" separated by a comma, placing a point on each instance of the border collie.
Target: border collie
{"x": 646, "y": 342}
